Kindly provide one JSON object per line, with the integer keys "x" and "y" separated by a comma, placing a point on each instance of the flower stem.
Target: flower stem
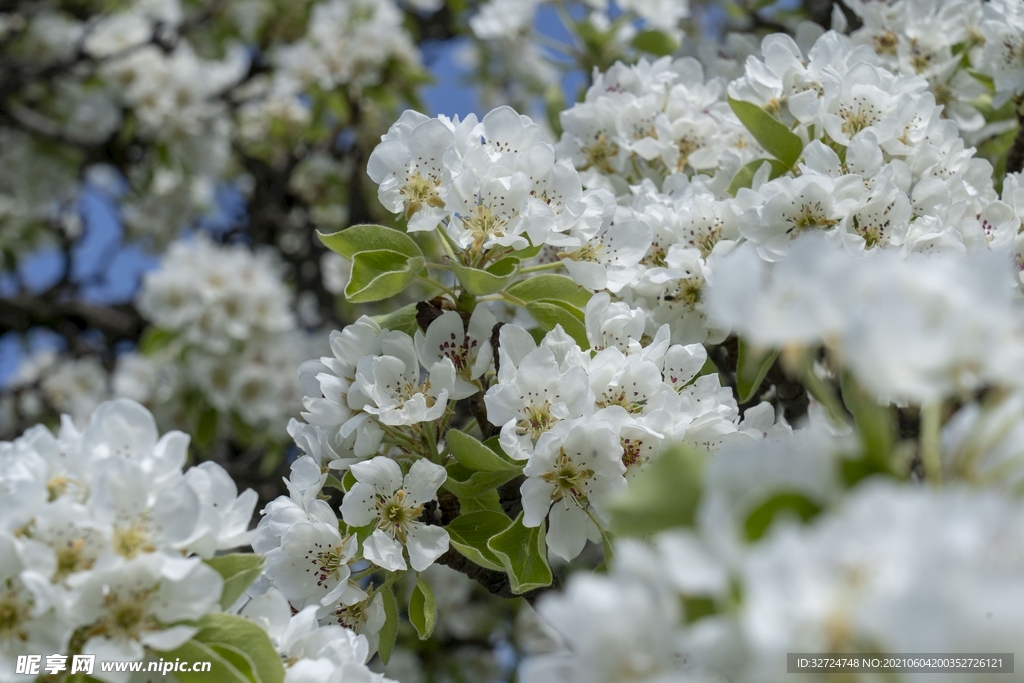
{"x": 606, "y": 539}
{"x": 540, "y": 267}
{"x": 931, "y": 428}
{"x": 513, "y": 300}
{"x": 447, "y": 290}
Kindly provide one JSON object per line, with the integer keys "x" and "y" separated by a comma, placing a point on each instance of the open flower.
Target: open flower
{"x": 574, "y": 468}
{"x": 394, "y": 505}
{"x": 390, "y": 386}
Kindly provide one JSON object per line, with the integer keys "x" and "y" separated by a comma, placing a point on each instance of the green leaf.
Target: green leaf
{"x": 389, "y": 631}
{"x": 402, "y": 320}
{"x": 655, "y": 43}
{"x": 524, "y": 556}
{"x": 549, "y": 286}
{"x": 776, "y": 138}
{"x": 238, "y": 659}
{"x": 751, "y": 367}
{"x": 221, "y": 670}
{"x": 984, "y": 79}
{"x": 875, "y": 423}
{"x": 380, "y": 274}
{"x": 549, "y": 313}
{"x": 465, "y": 483}
{"x": 469, "y": 533}
{"x": 357, "y": 238}
{"x": 762, "y": 516}
{"x": 482, "y": 282}
{"x": 528, "y": 252}
{"x": 154, "y": 339}
{"x": 488, "y": 500}
{"x": 422, "y": 609}
{"x": 663, "y": 495}
{"x": 238, "y": 570}
{"x": 219, "y": 629}
{"x": 206, "y": 427}
{"x": 745, "y": 176}
{"x": 478, "y": 457}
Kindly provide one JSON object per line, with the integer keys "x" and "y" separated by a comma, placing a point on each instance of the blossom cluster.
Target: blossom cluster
{"x": 493, "y": 183}
{"x": 879, "y": 164}
{"x": 865, "y": 572}
{"x": 963, "y": 313}
{"x": 225, "y": 327}
{"x": 103, "y": 537}
{"x": 580, "y": 423}
{"x": 51, "y": 382}
{"x": 185, "y": 96}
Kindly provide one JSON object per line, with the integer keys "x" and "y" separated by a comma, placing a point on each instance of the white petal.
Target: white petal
{"x": 169, "y": 638}
{"x": 359, "y": 506}
{"x": 423, "y": 480}
{"x": 384, "y": 552}
{"x": 536, "y": 501}
{"x": 426, "y": 544}
{"x": 567, "y": 530}
{"x": 382, "y": 473}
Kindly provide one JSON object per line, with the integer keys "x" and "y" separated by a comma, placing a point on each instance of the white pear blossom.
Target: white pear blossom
{"x": 532, "y": 394}
{"x": 393, "y": 505}
{"x": 391, "y": 388}
{"x": 575, "y": 468}
{"x": 468, "y": 347}
{"x": 140, "y": 604}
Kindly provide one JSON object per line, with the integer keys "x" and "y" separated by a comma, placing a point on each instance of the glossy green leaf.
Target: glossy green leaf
{"x": 357, "y": 238}
{"x": 776, "y": 138}
{"x": 665, "y": 494}
{"x": 550, "y": 286}
{"x": 549, "y": 313}
{"x": 465, "y": 483}
{"x": 402, "y": 320}
{"x": 528, "y": 252}
{"x": 221, "y": 670}
{"x": 469, "y": 534}
{"x": 488, "y": 500}
{"x": 478, "y": 457}
{"x": 219, "y": 629}
{"x": 786, "y": 503}
{"x": 482, "y": 282}
{"x": 423, "y": 609}
{"x": 751, "y": 367}
{"x": 380, "y": 274}
{"x": 238, "y": 659}
{"x": 389, "y": 631}
{"x": 745, "y": 176}
{"x": 238, "y": 570}
{"x": 655, "y": 43}
{"x": 524, "y": 556}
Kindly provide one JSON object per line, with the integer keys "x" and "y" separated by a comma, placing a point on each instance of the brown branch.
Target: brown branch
{"x": 20, "y": 314}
